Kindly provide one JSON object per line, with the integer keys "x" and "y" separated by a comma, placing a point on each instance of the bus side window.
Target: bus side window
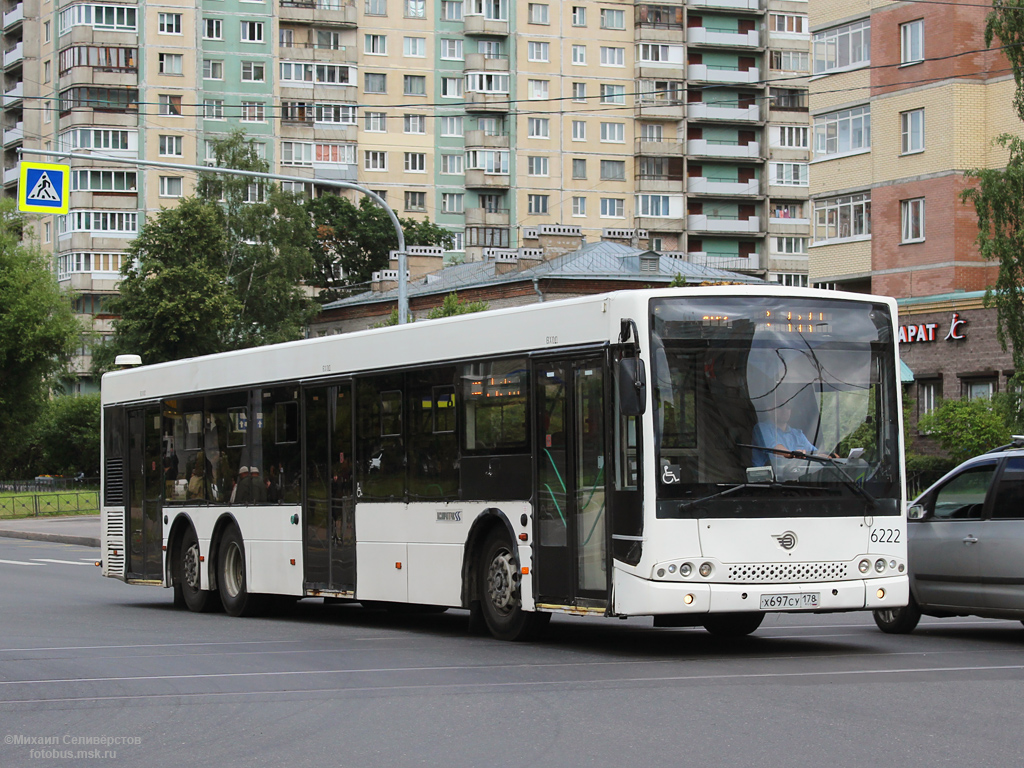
{"x": 276, "y": 452}
{"x": 433, "y": 448}
{"x": 380, "y": 438}
{"x": 225, "y": 443}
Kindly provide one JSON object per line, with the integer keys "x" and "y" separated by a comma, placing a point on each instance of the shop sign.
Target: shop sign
{"x": 925, "y": 332}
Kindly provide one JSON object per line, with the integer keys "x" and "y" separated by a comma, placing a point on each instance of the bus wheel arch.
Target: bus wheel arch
{"x": 224, "y": 522}
{"x": 183, "y": 557}
{"x": 488, "y": 520}
{"x": 232, "y": 578}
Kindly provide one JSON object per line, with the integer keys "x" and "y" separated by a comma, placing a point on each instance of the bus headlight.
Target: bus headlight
{"x": 879, "y": 565}
{"x": 705, "y": 569}
{"x": 864, "y": 566}
{"x": 685, "y": 569}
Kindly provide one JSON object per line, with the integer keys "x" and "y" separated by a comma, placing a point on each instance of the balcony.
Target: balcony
{"x": 713, "y": 148}
{"x": 659, "y": 147}
{"x": 659, "y": 223}
{"x": 699, "y": 110}
{"x": 11, "y": 175}
{"x": 479, "y": 62}
{"x": 14, "y": 95}
{"x": 728, "y": 5}
{"x": 659, "y": 33}
{"x": 703, "y": 185}
{"x": 712, "y": 74}
{"x": 724, "y": 261}
{"x": 703, "y": 222}
{"x": 662, "y": 183}
{"x": 482, "y": 139}
{"x": 659, "y": 109}
{"x": 17, "y": 133}
{"x": 788, "y": 226}
{"x": 14, "y": 16}
{"x": 477, "y": 179}
{"x": 337, "y": 13}
{"x": 487, "y": 102}
{"x": 482, "y": 217}
{"x": 14, "y": 55}
{"x": 335, "y": 171}
{"x": 713, "y": 37}
{"x": 481, "y": 25}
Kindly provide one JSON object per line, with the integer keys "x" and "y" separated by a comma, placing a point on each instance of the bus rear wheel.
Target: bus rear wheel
{"x": 234, "y": 592}
{"x": 499, "y": 587}
{"x": 187, "y": 575}
{"x": 733, "y": 624}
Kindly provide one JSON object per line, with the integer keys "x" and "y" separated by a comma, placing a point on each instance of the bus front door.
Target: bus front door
{"x": 329, "y": 535}
{"x": 145, "y": 493}
{"x": 570, "y": 526}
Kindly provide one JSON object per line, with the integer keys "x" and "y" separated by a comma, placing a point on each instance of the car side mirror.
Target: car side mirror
{"x": 632, "y": 385}
{"x": 917, "y": 512}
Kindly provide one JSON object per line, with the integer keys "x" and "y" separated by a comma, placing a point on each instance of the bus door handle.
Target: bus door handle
{"x": 970, "y": 540}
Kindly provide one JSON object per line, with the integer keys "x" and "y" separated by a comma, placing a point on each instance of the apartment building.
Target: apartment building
{"x": 904, "y": 98}
{"x": 684, "y": 122}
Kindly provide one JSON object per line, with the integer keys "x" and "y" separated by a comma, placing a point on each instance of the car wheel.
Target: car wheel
{"x": 898, "y": 621}
{"x": 733, "y": 624}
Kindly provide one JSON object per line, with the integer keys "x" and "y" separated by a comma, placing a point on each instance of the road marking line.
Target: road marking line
{"x": 18, "y": 562}
{"x": 62, "y": 562}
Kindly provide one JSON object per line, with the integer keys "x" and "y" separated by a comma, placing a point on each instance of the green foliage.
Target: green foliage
{"x": 678, "y": 281}
{"x": 354, "y": 241}
{"x": 965, "y": 428}
{"x": 453, "y": 305}
{"x": 392, "y": 319}
{"x": 38, "y": 333}
{"x": 67, "y": 436}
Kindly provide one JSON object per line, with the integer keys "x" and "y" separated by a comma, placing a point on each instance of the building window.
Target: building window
{"x": 415, "y": 123}
{"x": 579, "y": 206}
{"x": 453, "y": 164}
{"x": 613, "y": 94}
{"x": 579, "y": 91}
{"x": 414, "y": 85}
{"x": 791, "y": 279}
{"x": 415, "y": 9}
{"x": 539, "y": 127}
{"x": 451, "y": 49}
{"x": 458, "y": 241}
{"x": 912, "y": 131}
{"x": 538, "y": 13}
{"x": 652, "y": 205}
{"x": 787, "y": 23}
{"x": 376, "y": 8}
{"x": 613, "y": 132}
{"x": 537, "y": 204}
{"x": 375, "y": 45}
{"x": 579, "y": 130}
{"x": 615, "y": 57}
{"x": 169, "y": 105}
{"x": 841, "y": 133}
{"x": 789, "y": 245}
{"x": 253, "y": 72}
{"x": 613, "y": 208}
{"x": 336, "y": 154}
{"x": 253, "y": 112}
{"x": 170, "y": 186}
{"x": 579, "y": 54}
{"x": 912, "y": 218}
{"x": 655, "y": 54}
{"x": 169, "y": 63}
{"x": 84, "y": 180}
{"x": 213, "y": 109}
{"x": 296, "y": 153}
{"x": 252, "y": 32}
{"x": 451, "y": 87}
{"x": 170, "y": 146}
{"x": 213, "y": 70}
{"x": 912, "y": 42}
{"x": 452, "y": 202}
{"x": 613, "y": 19}
{"x": 536, "y": 51}
{"x": 169, "y": 23}
{"x": 579, "y": 16}
{"x": 327, "y": 39}
{"x": 416, "y": 162}
{"x": 842, "y": 47}
{"x": 486, "y": 82}
{"x": 978, "y": 389}
{"x": 213, "y": 29}
{"x": 375, "y": 122}
{"x": 374, "y": 82}
{"x": 451, "y": 126}
{"x": 613, "y": 170}
{"x": 791, "y": 136}
{"x": 788, "y": 174}
{"x": 414, "y": 46}
{"x": 375, "y": 161}
{"x": 837, "y": 218}
{"x": 537, "y": 89}
{"x": 536, "y": 165}
{"x": 451, "y": 10}
{"x": 415, "y": 201}
{"x": 791, "y": 61}
{"x": 929, "y": 392}
{"x": 788, "y": 99}
{"x": 579, "y": 168}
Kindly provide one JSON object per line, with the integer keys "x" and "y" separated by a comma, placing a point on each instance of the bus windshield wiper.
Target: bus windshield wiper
{"x": 848, "y": 481}
{"x": 741, "y": 486}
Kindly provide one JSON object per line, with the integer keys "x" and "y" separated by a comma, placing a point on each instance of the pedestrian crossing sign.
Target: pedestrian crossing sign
{"x": 44, "y": 188}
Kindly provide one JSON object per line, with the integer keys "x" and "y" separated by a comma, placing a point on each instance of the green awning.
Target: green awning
{"x": 906, "y": 375}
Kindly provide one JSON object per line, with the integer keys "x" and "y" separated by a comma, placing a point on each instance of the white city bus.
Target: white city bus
{"x": 702, "y": 456}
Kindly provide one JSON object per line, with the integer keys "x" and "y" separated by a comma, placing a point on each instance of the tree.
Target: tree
{"x": 38, "y": 332}
{"x": 66, "y": 437}
{"x": 965, "y": 428}
{"x": 998, "y": 196}
{"x": 354, "y": 241}
{"x": 453, "y": 305}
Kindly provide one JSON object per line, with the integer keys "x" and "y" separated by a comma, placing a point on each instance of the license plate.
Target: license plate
{"x": 788, "y": 601}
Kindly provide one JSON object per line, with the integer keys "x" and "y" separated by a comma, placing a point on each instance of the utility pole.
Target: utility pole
{"x": 403, "y": 286}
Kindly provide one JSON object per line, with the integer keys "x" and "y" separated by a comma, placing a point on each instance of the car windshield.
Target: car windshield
{"x": 745, "y": 389}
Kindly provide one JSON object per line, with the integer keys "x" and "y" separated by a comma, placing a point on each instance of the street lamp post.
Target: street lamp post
{"x": 403, "y": 288}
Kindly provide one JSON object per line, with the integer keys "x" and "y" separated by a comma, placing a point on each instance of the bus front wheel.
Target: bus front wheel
{"x": 898, "y": 621}
{"x": 733, "y": 624}
{"x": 234, "y": 593}
{"x": 186, "y": 575}
{"x": 500, "y": 583}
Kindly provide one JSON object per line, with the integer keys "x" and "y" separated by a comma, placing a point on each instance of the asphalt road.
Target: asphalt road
{"x": 86, "y": 660}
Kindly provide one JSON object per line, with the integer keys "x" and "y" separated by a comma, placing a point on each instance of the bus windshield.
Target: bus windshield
{"x": 774, "y": 406}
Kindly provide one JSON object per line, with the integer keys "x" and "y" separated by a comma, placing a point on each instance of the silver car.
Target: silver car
{"x": 966, "y": 543}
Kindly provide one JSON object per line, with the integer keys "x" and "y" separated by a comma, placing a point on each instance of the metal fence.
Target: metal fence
{"x": 52, "y": 503}
{"x": 46, "y": 483}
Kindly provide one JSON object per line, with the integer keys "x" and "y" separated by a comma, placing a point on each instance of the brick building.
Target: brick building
{"x": 906, "y": 97}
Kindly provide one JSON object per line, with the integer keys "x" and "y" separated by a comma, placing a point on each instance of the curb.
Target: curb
{"x": 59, "y": 538}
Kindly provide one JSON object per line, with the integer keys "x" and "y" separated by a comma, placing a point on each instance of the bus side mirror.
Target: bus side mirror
{"x": 632, "y": 385}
